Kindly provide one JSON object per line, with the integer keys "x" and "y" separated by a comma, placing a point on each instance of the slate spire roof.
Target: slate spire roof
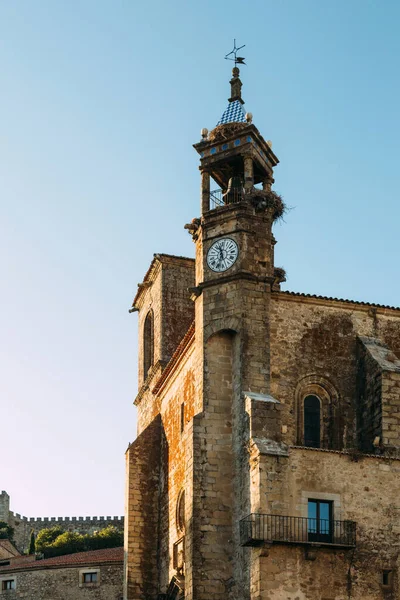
{"x": 234, "y": 112}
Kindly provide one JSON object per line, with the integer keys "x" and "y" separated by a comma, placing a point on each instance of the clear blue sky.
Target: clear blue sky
{"x": 100, "y": 103}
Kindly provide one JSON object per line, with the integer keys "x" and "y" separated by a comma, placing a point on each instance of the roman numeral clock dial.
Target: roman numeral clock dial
{"x": 222, "y": 254}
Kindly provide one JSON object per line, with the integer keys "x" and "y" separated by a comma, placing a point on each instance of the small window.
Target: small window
{"x": 89, "y": 577}
{"x": 180, "y": 512}
{"x": 312, "y": 422}
{"x": 8, "y": 584}
{"x": 182, "y": 417}
{"x": 148, "y": 343}
{"x": 320, "y": 521}
{"x": 387, "y": 578}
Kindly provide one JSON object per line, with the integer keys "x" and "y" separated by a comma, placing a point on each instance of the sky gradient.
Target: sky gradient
{"x": 100, "y": 105}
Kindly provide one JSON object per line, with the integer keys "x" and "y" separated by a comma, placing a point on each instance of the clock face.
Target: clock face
{"x": 222, "y": 254}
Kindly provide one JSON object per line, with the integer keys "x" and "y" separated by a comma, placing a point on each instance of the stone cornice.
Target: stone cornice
{"x": 247, "y": 275}
{"x": 155, "y": 372}
{"x": 300, "y": 298}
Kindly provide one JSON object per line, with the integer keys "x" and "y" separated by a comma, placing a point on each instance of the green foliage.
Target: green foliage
{"x": 32, "y": 543}
{"x": 6, "y": 532}
{"x": 109, "y": 537}
{"x": 55, "y": 542}
{"x": 46, "y": 537}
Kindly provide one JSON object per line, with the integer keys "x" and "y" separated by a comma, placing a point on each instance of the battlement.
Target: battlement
{"x": 76, "y": 520}
{"x": 24, "y": 525}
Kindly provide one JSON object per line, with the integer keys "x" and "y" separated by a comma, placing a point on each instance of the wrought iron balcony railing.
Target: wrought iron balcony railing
{"x": 221, "y": 198}
{"x": 257, "y": 529}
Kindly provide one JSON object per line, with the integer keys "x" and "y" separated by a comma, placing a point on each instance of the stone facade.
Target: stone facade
{"x": 24, "y": 525}
{"x": 223, "y": 423}
{"x": 85, "y": 575}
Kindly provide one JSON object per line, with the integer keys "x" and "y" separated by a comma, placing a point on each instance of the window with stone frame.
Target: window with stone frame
{"x": 8, "y": 584}
{"x": 148, "y": 343}
{"x": 89, "y": 577}
{"x": 320, "y": 520}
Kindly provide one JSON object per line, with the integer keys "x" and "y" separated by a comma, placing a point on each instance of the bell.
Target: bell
{"x": 234, "y": 191}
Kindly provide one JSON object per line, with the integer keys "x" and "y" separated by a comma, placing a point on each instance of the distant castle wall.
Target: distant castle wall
{"x": 4, "y": 506}
{"x": 24, "y": 525}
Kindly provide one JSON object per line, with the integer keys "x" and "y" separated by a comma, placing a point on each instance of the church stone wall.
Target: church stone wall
{"x": 314, "y": 343}
{"x": 178, "y": 308}
{"x": 177, "y": 409}
{"x": 151, "y": 301}
{"x": 212, "y": 563}
{"x": 141, "y": 513}
{"x": 166, "y": 294}
{"x": 362, "y": 490}
{"x": 159, "y": 467}
{"x": 369, "y": 413}
{"x": 379, "y": 395}
{"x": 391, "y": 409}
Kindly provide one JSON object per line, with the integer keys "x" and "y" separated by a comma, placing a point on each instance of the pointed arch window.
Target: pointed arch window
{"x": 312, "y": 422}
{"x": 148, "y": 343}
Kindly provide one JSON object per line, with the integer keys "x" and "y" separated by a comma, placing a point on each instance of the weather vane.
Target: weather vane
{"x": 239, "y": 60}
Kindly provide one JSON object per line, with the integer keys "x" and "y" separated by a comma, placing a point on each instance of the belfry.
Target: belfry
{"x": 268, "y": 444}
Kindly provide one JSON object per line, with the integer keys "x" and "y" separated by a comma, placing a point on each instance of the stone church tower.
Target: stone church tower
{"x": 267, "y": 461}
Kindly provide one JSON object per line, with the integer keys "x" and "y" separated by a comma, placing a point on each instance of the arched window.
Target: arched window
{"x": 312, "y": 422}
{"x": 148, "y": 343}
{"x": 180, "y": 512}
{"x": 320, "y": 422}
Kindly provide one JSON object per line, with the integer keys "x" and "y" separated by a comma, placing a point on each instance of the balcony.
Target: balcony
{"x": 220, "y": 198}
{"x": 257, "y": 529}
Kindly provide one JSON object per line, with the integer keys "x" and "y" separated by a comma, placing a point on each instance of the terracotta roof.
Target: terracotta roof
{"x": 359, "y": 303}
{"x": 186, "y": 340}
{"x": 91, "y": 557}
{"x": 9, "y": 547}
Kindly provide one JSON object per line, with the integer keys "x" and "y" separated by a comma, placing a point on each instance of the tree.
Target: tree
{"x": 46, "y": 537}
{"x": 55, "y": 542}
{"x": 32, "y": 543}
{"x": 68, "y": 543}
{"x": 109, "y": 537}
{"x": 6, "y": 532}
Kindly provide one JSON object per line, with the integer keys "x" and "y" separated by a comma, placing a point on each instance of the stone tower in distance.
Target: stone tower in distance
{"x": 253, "y": 406}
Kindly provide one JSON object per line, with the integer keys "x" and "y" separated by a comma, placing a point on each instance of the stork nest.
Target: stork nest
{"x": 280, "y": 274}
{"x": 268, "y": 199}
{"x": 223, "y": 132}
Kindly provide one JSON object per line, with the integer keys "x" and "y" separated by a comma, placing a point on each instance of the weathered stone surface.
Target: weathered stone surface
{"x": 62, "y": 584}
{"x": 231, "y": 407}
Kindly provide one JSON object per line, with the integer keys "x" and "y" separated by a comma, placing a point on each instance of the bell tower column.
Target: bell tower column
{"x": 205, "y": 191}
{"x": 248, "y": 173}
{"x": 234, "y": 277}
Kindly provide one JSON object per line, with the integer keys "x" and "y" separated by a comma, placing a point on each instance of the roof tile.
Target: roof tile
{"x": 106, "y": 555}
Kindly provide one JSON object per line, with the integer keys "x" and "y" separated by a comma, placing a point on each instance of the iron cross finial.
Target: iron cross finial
{"x": 239, "y": 60}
